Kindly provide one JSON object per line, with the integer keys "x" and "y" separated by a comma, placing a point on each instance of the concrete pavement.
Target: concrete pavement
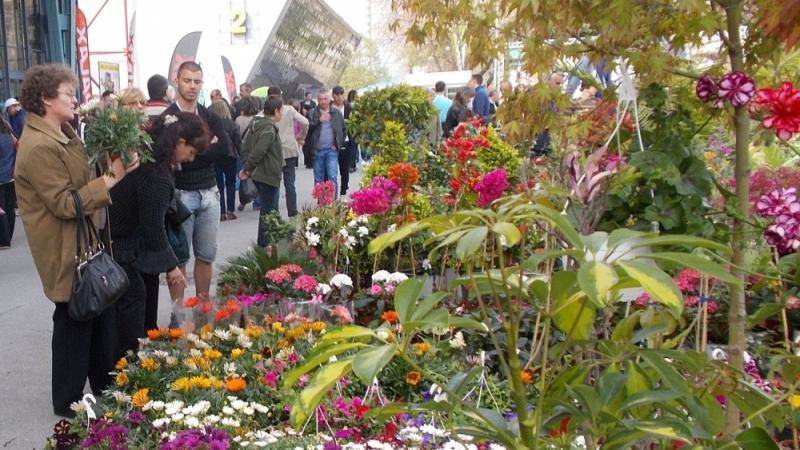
{"x": 26, "y": 326}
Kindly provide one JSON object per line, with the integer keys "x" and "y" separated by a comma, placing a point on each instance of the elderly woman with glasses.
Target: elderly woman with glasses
{"x": 132, "y": 98}
{"x": 51, "y": 163}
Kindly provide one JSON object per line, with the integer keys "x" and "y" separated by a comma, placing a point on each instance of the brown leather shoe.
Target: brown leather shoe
{"x": 223, "y": 217}
{"x": 231, "y": 216}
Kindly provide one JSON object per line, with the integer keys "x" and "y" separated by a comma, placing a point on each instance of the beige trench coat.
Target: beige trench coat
{"x": 49, "y": 166}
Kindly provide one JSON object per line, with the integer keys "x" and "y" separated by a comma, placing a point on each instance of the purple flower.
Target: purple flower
{"x": 246, "y": 300}
{"x": 332, "y": 445}
{"x": 341, "y": 434}
{"x": 707, "y": 88}
{"x": 776, "y": 202}
{"x": 491, "y": 187}
{"x": 135, "y": 417}
{"x": 370, "y": 201}
{"x": 736, "y": 87}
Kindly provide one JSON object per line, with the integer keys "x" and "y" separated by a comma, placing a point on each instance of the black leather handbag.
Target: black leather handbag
{"x": 98, "y": 281}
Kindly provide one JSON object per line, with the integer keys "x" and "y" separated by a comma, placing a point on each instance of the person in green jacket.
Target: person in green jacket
{"x": 262, "y": 154}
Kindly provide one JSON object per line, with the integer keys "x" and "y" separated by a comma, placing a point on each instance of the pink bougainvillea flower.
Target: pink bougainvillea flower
{"x": 491, "y": 187}
{"x": 780, "y": 108}
{"x": 707, "y": 88}
{"x": 736, "y": 87}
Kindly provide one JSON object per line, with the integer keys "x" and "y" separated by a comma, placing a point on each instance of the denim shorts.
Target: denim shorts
{"x": 203, "y": 225}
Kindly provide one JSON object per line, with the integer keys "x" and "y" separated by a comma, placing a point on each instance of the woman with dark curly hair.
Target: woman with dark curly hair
{"x": 51, "y": 163}
{"x": 139, "y": 239}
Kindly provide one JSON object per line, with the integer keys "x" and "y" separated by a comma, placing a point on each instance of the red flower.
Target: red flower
{"x": 781, "y": 109}
{"x": 205, "y": 307}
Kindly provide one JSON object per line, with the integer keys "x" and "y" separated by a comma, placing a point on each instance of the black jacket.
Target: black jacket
{"x": 232, "y": 130}
{"x": 451, "y": 123}
{"x": 199, "y": 174}
{"x": 315, "y": 126}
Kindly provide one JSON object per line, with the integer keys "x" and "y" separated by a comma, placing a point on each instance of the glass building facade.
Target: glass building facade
{"x": 24, "y": 40}
{"x": 309, "y": 49}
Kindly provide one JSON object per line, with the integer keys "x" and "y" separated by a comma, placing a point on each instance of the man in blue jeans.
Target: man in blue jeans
{"x": 326, "y": 130}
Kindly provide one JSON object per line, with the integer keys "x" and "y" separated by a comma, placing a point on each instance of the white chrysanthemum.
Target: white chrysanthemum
{"x": 235, "y": 329}
{"x": 143, "y": 342}
{"x": 323, "y": 288}
{"x": 230, "y": 422}
{"x": 238, "y": 404}
{"x": 259, "y": 407}
{"x": 458, "y": 341}
{"x": 160, "y": 354}
{"x": 158, "y": 423}
{"x": 343, "y": 232}
{"x": 187, "y": 411}
{"x": 171, "y": 361}
{"x": 202, "y": 345}
{"x": 121, "y": 397}
{"x": 351, "y": 242}
{"x": 340, "y": 280}
{"x": 200, "y": 407}
{"x": 158, "y": 405}
{"x": 230, "y": 368}
{"x": 191, "y": 422}
{"x": 333, "y": 359}
{"x": 222, "y": 334}
{"x": 465, "y": 437}
{"x": 195, "y": 353}
{"x": 228, "y": 410}
{"x": 177, "y": 417}
{"x": 78, "y": 407}
{"x": 396, "y": 278}
{"x": 191, "y": 337}
{"x": 453, "y": 445}
{"x": 248, "y": 411}
{"x": 494, "y": 446}
{"x": 206, "y": 335}
{"x": 142, "y": 355}
{"x": 432, "y": 430}
{"x": 503, "y": 241}
{"x": 312, "y": 238}
{"x": 380, "y": 276}
{"x": 173, "y": 407}
{"x": 211, "y": 419}
{"x": 244, "y": 341}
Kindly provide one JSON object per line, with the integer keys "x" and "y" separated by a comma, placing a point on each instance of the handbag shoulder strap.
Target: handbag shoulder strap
{"x": 80, "y": 228}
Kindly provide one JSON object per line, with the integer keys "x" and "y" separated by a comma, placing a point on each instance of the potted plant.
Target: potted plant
{"x": 117, "y": 133}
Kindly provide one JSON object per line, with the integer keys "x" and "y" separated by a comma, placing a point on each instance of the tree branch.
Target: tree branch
{"x": 685, "y": 73}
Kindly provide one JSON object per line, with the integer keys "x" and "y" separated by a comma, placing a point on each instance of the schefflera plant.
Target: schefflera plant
{"x": 628, "y": 390}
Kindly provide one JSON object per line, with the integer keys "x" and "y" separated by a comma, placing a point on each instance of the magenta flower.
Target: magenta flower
{"x": 303, "y": 380}
{"x": 491, "y": 187}
{"x": 271, "y": 378}
{"x": 776, "y": 202}
{"x": 246, "y": 300}
{"x": 707, "y": 88}
{"x": 370, "y": 201}
{"x": 305, "y": 283}
{"x": 376, "y": 290}
{"x": 736, "y": 87}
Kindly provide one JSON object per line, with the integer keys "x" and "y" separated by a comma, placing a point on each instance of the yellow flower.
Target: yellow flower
{"x": 306, "y": 327}
{"x": 122, "y": 379}
{"x": 795, "y": 401}
{"x": 422, "y": 348}
{"x": 212, "y": 354}
{"x": 254, "y": 332}
{"x": 216, "y": 383}
{"x": 122, "y": 364}
{"x": 181, "y": 384}
{"x": 317, "y": 326}
{"x": 351, "y": 215}
{"x": 256, "y": 356}
{"x": 278, "y": 327}
{"x": 140, "y": 398}
{"x": 150, "y": 364}
{"x": 526, "y": 376}
{"x": 295, "y": 333}
{"x": 201, "y": 382}
{"x": 237, "y": 352}
{"x": 413, "y": 378}
{"x": 709, "y": 156}
{"x": 282, "y": 344}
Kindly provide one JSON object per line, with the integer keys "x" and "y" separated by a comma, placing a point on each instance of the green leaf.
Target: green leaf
{"x": 388, "y": 410}
{"x": 610, "y": 384}
{"x": 508, "y": 231}
{"x": 368, "y": 363}
{"x": 309, "y": 398}
{"x": 346, "y": 332}
{"x": 471, "y": 242}
{"x": 499, "y": 422}
{"x": 320, "y": 355}
{"x": 385, "y": 240}
{"x": 665, "y": 429}
{"x": 428, "y": 304}
{"x": 574, "y": 318}
{"x": 438, "y": 318}
{"x": 684, "y": 240}
{"x": 596, "y": 278}
{"x": 622, "y": 440}
{"x": 621, "y": 235}
{"x": 458, "y": 383}
{"x": 669, "y": 376}
{"x": 652, "y": 330}
{"x": 587, "y": 397}
{"x": 756, "y": 438}
{"x": 463, "y": 322}
{"x": 623, "y": 331}
{"x": 561, "y": 223}
{"x": 405, "y": 298}
{"x": 697, "y": 263}
{"x": 657, "y": 283}
{"x": 533, "y": 262}
{"x": 766, "y": 311}
{"x": 648, "y": 398}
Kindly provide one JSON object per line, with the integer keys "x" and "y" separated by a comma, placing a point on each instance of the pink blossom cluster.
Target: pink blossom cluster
{"x": 381, "y": 196}
{"x": 687, "y": 280}
{"x": 278, "y": 275}
{"x": 305, "y": 283}
{"x": 587, "y": 181}
{"x": 323, "y": 193}
{"x": 783, "y": 207}
{"x": 491, "y": 187}
{"x": 735, "y": 87}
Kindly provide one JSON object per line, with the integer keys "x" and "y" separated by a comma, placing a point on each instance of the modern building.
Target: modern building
{"x": 33, "y": 32}
{"x": 297, "y": 45}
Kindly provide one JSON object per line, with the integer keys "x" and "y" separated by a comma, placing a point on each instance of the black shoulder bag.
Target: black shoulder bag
{"x": 98, "y": 281}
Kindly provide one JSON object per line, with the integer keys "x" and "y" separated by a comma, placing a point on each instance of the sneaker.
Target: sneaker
{"x": 231, "y": 216}
{"x": 223, "y": 217}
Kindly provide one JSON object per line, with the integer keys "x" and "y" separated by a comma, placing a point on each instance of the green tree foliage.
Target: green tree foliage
{"x": 365, "y": 68}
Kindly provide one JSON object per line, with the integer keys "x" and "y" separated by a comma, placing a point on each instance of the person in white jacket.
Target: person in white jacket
{"x": 291, "y": 144}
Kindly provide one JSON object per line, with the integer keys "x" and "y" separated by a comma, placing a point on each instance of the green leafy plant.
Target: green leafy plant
{"x": 276, "y": 229}
{"x": 117, "y": 133}
{"x": 245, "y": 272}
{"x": 408, "y": 106}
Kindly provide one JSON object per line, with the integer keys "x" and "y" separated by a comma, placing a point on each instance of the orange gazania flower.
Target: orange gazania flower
{"x": 191, "y": 302}
{"x": 122, "y": 364}
{"x": 413, "y": 378}
{"x": 212, "y": 354}
{"x": 222, "y": 314}
{"x": 122, "y": 379}
{"x": 175, "y": 333}
{"x": 140, "y": 398}
{"x": 235, "y": 384}
{"x": 233, "y": 305}
{"x": 150, "y": 364}
{"x": 154, "y": 334}
{"x": 422, "y": 348}
{"x": 206, "y": 307}
{"x": 390, "y": 316}
{"x": 527, "y": 376}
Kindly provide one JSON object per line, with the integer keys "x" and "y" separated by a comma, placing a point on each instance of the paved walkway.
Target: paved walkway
{"x": 26, "y": 326}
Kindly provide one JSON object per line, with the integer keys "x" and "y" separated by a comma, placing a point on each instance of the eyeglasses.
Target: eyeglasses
{"x": 70, "y": 94}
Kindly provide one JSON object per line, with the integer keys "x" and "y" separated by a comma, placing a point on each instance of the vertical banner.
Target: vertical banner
{"x": 109, "y": 76}
{"x": 230, "y": 80}
{"x": 186, "y": 50}
{"x": 82, "y": 38}
{"x": 129, "y": 50}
